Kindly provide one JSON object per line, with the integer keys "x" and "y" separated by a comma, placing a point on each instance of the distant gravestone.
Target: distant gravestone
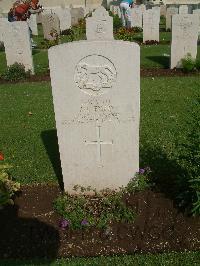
{"x": 163, "y": 10}
{"x": 97, "y": 112}
{"x": 76, "y": 15}
{"x": 64, "y": 15}
{"x": 171, "y": 11}
{"x": 151, "y": 20}
{"x": 51, "y": 26}
{"x": 184, "y": 38}
{"x": 197, "y": 12}
{"x": 18, "y": 44}
{"x": 136, "y": 17}
{"x": 116, "y": 11}
{"x": 183, "y": 9}
{"x": 99, "y": 26}
{"x": 142, "y": 8}
{"x": 3, "y": 22}
{"x": 32, "y": 22}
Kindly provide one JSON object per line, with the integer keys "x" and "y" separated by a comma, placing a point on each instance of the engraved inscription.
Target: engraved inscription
{"x": 95, "y": 110}
{"x": 100, "y": 28}
{"x": 95, "y": 75}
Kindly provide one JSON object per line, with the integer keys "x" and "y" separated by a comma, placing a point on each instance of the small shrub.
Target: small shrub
{"x": 8, "y": 187}
{"x": 137, "y": 29}
{"x": 16, "y": 72}
{"x": 197, "y": 64}
{"x": 188, "y": 64}
{"x": 117, "y": 23}
{"x": 125, "y": 34}
{"x": 151, "y": 42}
{"x": 101, "y": 209}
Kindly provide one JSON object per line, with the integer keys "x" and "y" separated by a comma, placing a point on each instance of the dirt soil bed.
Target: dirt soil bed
{"x": 30, "y": 229}
{"x": 145, "y": 72}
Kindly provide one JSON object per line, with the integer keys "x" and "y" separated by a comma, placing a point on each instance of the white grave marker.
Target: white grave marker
{"x": 183, "y": 9}
{"x": 99, "y": 26}
{"x": 170, "y": 12}
{"x": 64, "y": 15}
{"x": 32, "y": 22}
{"x": 197, "y": 12}
{"x": 18, "y": 44}
{"x": 136, "y": 17}
{"x": 151, "y": 18}
{"x": 96, "y": 103}
{"x": 3, "y": 22}
{"x": 51, "y": 26}
{"x": 184, "y": 38}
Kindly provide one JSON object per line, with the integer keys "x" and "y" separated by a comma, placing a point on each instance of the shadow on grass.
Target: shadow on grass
{"x": 168, "y": 177}
{"x": 162, "y": 60}
{"x": 50, "y": 141}
{"x": 26, "y": 238}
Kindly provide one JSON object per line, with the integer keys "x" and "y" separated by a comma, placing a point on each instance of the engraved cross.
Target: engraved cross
{"x": 99, "y": 142}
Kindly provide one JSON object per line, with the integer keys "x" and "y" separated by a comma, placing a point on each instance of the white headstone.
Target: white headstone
{"x": 32, "y": 22}
{"x": 99, "y": 26}
{"x": 76, "y": 15}
{"x": 184, "y": 38}
{"x": 197, "y": 12}
{"x": 116, "y": 11}
{"x": 96, "y": 103}
{"x": 151, "y": 18}
{"x": 3, "y": 21}
{"x": 142, "y": 7}
{"x": 170, "y": 12}
{"x": 183, "y": 9}
{"x": 51, "y": 26}
{"x": 18, "y": 45}
{"x": 136, "y": 17}
{"x": 64, "y": 15}
{"x": 163, "y": 10}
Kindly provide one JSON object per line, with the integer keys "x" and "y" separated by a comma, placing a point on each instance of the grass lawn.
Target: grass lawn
{"x": 28, "y": 135}
{"x": 175, "y": 259}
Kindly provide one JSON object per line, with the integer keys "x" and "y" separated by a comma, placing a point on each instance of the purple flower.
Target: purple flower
{"x": 64, "y": 223}
{"x": 84, "y": 222}
{"x": 141, "y": 171}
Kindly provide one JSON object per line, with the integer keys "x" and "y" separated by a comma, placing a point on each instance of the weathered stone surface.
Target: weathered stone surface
{"x": 18, "y": 45}
{"x": 3, "y": 21}
{"x": 64, "y": 15}
{"x": 136, "y": 17}
{"x": 184, "y": 38}
{"x": 99, "y": 26}
{"x": 76, "y": 15}
{"x": 170, "y": 12}
{"x": 163, "y": 10}
{"x": 51, "y": 26}
{"x": 32, "y": 22}
{"x": 197, "y": 12}
{"x": 151, "y": 19}
{"x": 96, "y": 103}
{"x": 183, "y": 9}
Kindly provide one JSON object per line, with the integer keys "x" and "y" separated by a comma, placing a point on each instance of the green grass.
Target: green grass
{"x": 175, "y": 259}
{"x": 29, "y": 141}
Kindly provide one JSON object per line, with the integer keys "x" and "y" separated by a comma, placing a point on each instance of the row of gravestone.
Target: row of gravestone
{"x": 16, "y": 36}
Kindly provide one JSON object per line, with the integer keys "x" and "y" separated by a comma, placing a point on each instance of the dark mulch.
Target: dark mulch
{"x": 145, "y": 72}
{"x": 30, "y": 228}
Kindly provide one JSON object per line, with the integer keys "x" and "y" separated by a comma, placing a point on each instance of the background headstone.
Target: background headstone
{"x": 51, "y": 26}
{"x": 99, "y": 26}
{"x": 136, "y": 17}
{"x": 32, "y": 22}
{"x": 76, "y": 15}
{"x": 183, "y": 9}
{"x": 163, "y": 10}
{"x": 170, "y": 12}
{"x": 197, "y": 12}
{"x": 151, "y": 18}
{"x": 64, "y": 15}
{"x": 18, "y": 44}
{"x": 184, "y": 38}
{"x": 3, "y": 22}
{"x": 97, "y": 106}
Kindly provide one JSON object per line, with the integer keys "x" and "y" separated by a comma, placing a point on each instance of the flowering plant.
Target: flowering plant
{"x": 8, "y": 187}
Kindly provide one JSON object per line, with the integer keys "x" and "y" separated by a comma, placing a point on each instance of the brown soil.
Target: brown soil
{"x": 30, "y": 228}
{"x": 145, "y": 72}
